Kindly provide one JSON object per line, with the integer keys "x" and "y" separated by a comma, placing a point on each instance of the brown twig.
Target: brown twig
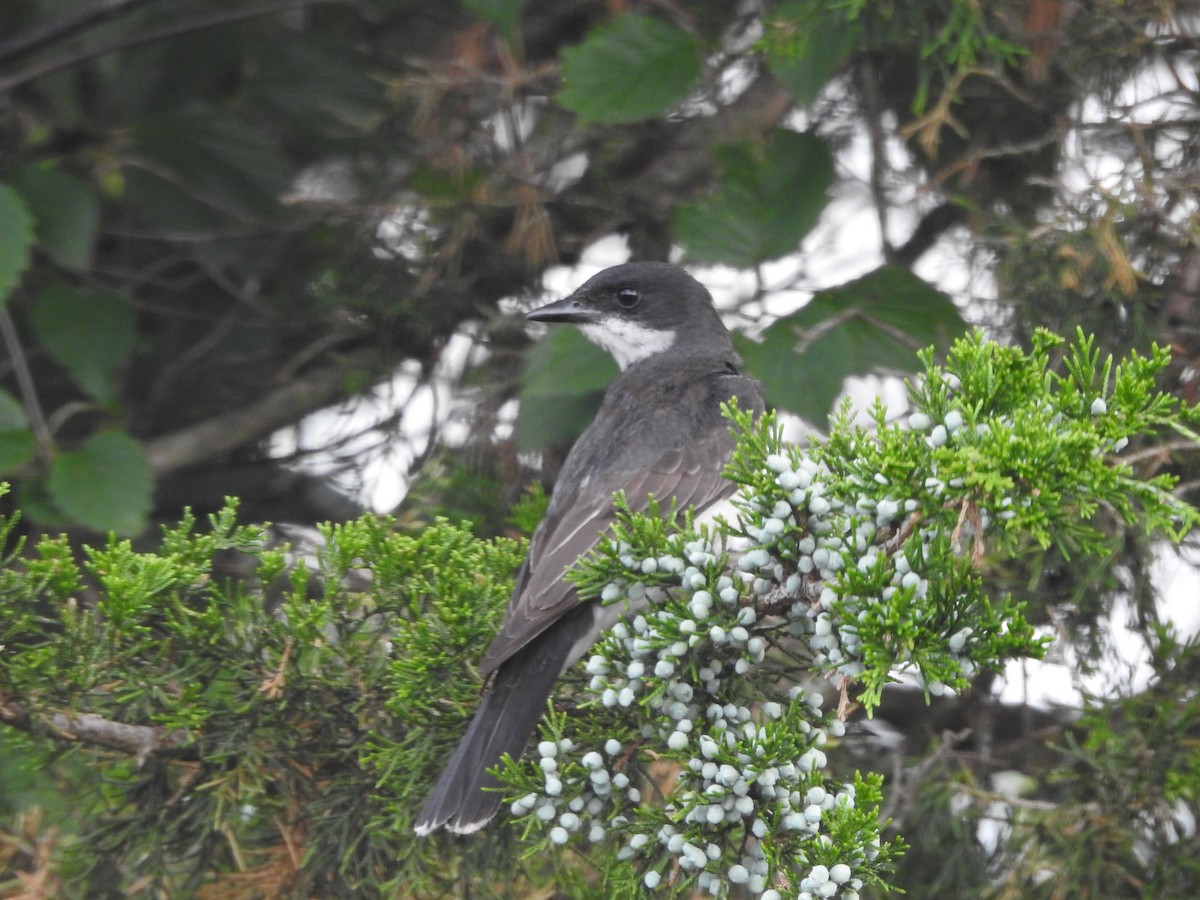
{"x": 272, "y": 685}
{"x": 1159, "y": 451}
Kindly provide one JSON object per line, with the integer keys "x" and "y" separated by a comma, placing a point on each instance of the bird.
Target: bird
{"x": 659, "y": 433}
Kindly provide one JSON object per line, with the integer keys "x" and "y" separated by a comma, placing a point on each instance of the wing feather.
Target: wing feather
{"x": 689, "y": 476}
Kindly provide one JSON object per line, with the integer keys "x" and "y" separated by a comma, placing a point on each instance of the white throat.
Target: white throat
{"x": 626, "y": 341}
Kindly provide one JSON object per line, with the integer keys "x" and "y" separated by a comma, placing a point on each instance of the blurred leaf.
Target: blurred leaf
{"x": 67, "y": 214}
{"x": 806, "y": 43}
{"x": 446, "y": 186}
{"x": 12, "y": 413}
{"x": 504, "y": 14}
{"x": 633, "y": 69}
{"x": 16, "y": 448}
{"x": 105, "y": 485}
{"x": 317, "y": 83}
{"x": 35, "y": 505}
{"x": 16, "y": 237}
{"x": 869, "y": 325}
{"x": 90, "y": 333}
{"x": 182, "y": 71}
{"x": 769, "y": 197}
{"x": 891, "y": 295}
{"x": 203, "y": 165}
{"x": 561, "y": 390}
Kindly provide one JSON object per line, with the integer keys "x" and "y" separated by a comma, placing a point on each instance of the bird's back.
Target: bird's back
{"x": 659, "y": 433}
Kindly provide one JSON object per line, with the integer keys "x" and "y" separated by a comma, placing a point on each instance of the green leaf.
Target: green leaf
{"x": 16, "y": 237}
{"x": 66, "y": 211}
{"x": 90, "y": 333}
{"x": 769, "y": 197}
{"x": 105, "y": 485}
{"x": 561, "y": 390}
{"x": 635, "y": 68}
{"x": 16, "y": 448}
{"x": 869, "y": 325}
{"x": 805, "y": 44}
{"x": 504, "y": 14}
{"x": 12, "y": 413}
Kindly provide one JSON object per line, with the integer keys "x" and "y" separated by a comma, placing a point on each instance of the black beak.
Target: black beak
{"x": 572, "y": 310}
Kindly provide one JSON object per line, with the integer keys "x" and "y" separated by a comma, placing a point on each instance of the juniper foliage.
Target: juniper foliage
{"x": 229, "y": 717}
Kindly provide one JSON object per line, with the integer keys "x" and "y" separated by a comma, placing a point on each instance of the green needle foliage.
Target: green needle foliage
{"x": 858, "y": 558}
{"x": 274, "y": 696}
{"x": 230, "y": 717}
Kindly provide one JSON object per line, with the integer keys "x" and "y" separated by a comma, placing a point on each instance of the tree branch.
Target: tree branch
{"x": 85, "y": 728}
{"x": 150, "y": 35}
{"x": 873, "y": 108}
{"x": 43, "y": 439}
{"x": 33, "y": 39}
{"x": 216, "y": 437}
{"x": 932, "y": 226}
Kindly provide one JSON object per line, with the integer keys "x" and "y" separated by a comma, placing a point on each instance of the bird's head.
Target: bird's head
{"x": 642, "y": 309}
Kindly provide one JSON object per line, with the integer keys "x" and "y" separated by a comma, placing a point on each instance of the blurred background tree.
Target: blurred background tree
{"x": 272, "y": 249}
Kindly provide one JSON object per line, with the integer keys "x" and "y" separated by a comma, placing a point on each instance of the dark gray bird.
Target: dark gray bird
{"x": 659, "y": 432}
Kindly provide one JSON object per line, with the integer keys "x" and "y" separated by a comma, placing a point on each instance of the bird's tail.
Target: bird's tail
{"x": 465, "y": 797}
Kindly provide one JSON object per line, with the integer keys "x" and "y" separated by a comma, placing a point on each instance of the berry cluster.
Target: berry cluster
{"x": 750, "y": 771}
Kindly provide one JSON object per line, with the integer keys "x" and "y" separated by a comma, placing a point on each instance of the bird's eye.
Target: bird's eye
{"x": 628, "y": 297}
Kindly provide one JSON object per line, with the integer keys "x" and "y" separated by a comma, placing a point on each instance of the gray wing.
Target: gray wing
{"x": 690, "y": 476}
